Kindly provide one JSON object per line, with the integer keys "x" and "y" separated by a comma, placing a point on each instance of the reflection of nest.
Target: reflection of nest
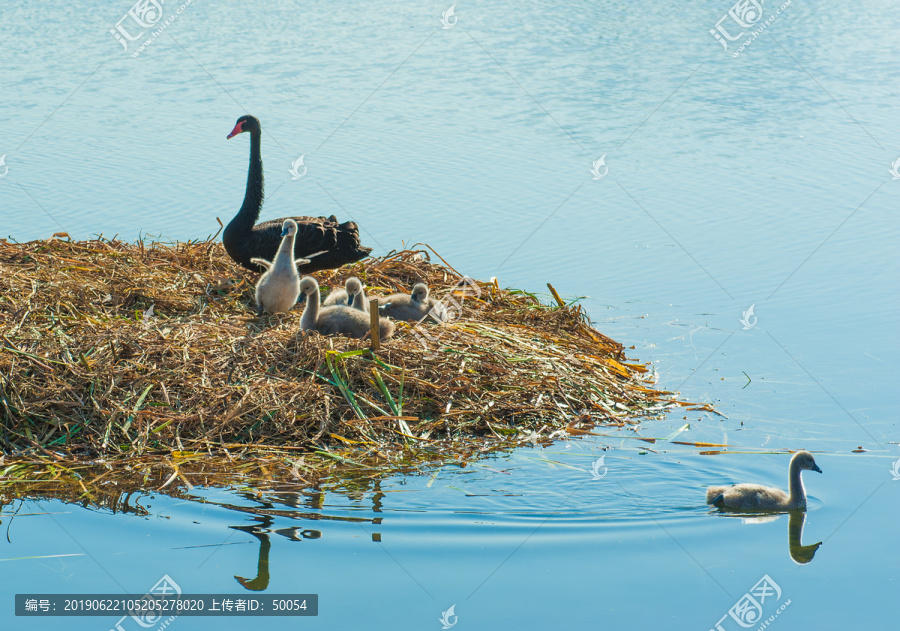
{"x": 81, "y": 371}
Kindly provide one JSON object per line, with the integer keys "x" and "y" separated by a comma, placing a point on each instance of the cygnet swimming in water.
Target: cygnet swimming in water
{"x": 759, "y": 497}
{"x": 336, "y": 319}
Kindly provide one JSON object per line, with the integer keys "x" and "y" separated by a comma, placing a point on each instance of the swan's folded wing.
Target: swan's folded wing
{"x": 329, "y": 245}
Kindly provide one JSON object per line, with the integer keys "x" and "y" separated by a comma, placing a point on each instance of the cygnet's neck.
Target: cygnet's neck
{"x": 284, "y": 258}
{"x": 359, "y": 300}
{"x": 311, "y": 312}
{"x": 798, "y": 493}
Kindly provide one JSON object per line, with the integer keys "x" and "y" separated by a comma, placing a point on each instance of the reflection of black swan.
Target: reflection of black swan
{"x": 758, "y": 497}
{"x": 244, "y": 239}
{"x": 261, "y": 581}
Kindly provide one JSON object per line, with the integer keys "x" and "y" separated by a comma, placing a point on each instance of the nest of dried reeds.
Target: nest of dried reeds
{"x": 115, "y": 348}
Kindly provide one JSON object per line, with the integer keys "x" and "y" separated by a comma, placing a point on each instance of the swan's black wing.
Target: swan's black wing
{"x": 338, "y": 243}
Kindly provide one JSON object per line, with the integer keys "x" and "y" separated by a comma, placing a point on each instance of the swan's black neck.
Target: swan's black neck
{"x": 253, "y": 196}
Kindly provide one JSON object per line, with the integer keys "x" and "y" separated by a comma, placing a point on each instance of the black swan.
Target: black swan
{"x": 336, "y": 244}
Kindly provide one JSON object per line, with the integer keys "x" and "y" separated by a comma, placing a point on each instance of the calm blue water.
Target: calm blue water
{"x": 759, "y": 180}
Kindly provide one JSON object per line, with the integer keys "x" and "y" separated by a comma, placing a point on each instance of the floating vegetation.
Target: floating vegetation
{"x": 111, "y": 349}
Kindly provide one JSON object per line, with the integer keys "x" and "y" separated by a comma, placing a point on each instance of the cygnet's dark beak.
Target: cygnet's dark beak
{"x": 301, "y": 299}
{"x": 815, "y": 467}
{"x": 284, "y": 232}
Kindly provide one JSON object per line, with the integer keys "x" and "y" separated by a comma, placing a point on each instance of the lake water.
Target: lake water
{"x": 762, "y": 179}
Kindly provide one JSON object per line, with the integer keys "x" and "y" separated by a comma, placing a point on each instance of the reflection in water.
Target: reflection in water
{"x": 796, "y": 519}
{"x": 261, "y": 531}
{"x": 264, "y": 514}
{"x": 262, "y": 565}
{"x": 800, "y": 553}
{"x": 267, "y": 502}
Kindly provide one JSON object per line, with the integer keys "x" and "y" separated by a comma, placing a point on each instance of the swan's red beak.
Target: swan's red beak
{"x": 237, "y": 129}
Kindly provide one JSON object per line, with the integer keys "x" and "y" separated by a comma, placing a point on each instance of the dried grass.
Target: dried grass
{"x": 86, "y": 371}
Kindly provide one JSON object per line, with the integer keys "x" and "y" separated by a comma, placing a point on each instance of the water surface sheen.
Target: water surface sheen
{"x": 759, "y": 180}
